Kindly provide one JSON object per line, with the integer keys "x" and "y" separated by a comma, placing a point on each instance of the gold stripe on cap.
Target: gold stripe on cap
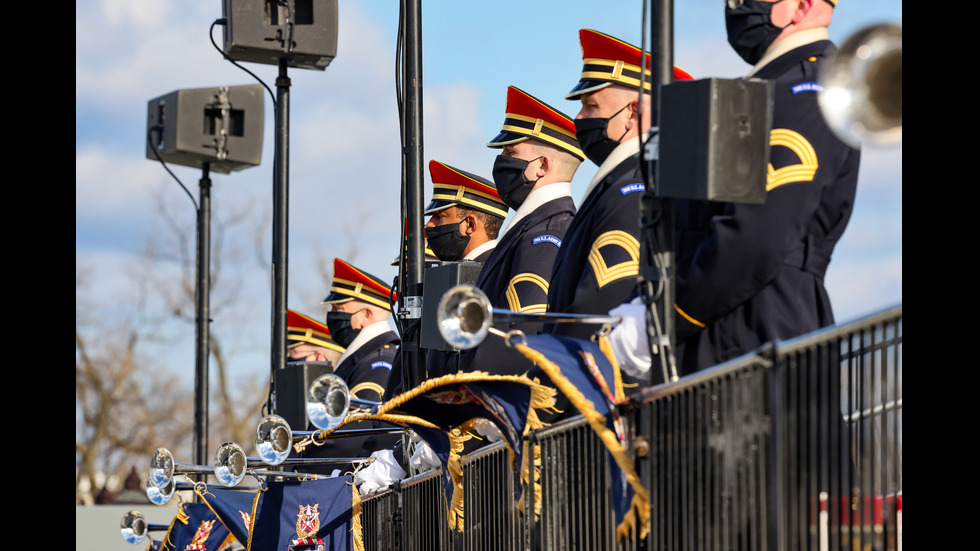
{"x": 557, "y": 142}
{"x": 538, "y": 123}
{"x": 544, "y": 124}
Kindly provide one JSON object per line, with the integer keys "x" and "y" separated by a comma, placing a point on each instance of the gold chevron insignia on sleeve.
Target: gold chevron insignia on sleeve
{"x": 514, "y": 300}
{"x": 800, "y": 172}
{"x": 617, "y": 238}
{"x": 367, "y": 386}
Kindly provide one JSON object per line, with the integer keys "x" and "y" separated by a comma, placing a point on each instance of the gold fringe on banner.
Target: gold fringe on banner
{"x": 542, "y": 398}
{"x": 641, "y": 499}
{"x": 358, "y": 533}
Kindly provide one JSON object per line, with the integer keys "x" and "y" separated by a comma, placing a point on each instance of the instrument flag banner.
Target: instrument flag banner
{"x": 196, "y": 528}
{"x": 587, "y": 374}
{"x": 234, "y": 508}
{"x": 443, "y": 410}
{"x": 300, "y": 515}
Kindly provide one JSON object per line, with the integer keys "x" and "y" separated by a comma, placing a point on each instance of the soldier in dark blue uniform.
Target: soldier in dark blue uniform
{"x": 749, "y": 274}
{"x": 597, "y": 265}
{"x": 466, "y": 214}
{"x": 358, "y": 321}
{"x": 756, "y": 271}
{"x": 533, "y": 174}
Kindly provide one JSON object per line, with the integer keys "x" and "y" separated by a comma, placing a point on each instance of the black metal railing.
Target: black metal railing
{"x": 798, "y": 446}
{"x": 795, "y": 447}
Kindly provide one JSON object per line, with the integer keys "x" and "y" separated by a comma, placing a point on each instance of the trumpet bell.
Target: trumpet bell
{"x": 464, "y": 316}
{"x": 161, "y": 467}
{"x": 133, "y": 527}
{"x": 327, "y": 401}
{"x": 230, "y": 464}
{"x": 160, "y": 495}
{"x": 273, "y": 438}
{"x": 861, "y": 98}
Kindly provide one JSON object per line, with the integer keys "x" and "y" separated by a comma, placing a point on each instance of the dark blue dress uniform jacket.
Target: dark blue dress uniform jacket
{"x": 366, "y": 373}
{"x": 596, "y": 268}
{"x": 748, "y": 274}
{"x": 517, "y": 277}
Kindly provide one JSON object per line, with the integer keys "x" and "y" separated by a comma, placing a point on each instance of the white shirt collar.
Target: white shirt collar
{"x": 480, "y": 250}
{"x": 535, "y": 199}
{"x": 622, "y": 152}
{"x": 365, "y": 334}
{"x": 791, "y": 42}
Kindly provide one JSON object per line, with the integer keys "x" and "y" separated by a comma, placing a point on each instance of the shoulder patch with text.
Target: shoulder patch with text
{"x": 806, "y": 87}
{"x": 546, "y": 239}
{"x": 630, "y": 188}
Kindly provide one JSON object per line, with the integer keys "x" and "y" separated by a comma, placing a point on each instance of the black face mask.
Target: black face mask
{"x": 512, "y": 186}
{"x": 594, "y": 138}
{"x": 750, "y": 29}
{"x": 447, "y": 242}
{"x": 340, "y": 328}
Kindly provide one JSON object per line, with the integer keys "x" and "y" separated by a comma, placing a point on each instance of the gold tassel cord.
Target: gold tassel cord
{"x": 620, "y": 394}
{"x": 457, "y": 441}
{"x": 358, "y": 533}
{"x": 598, "y": 423}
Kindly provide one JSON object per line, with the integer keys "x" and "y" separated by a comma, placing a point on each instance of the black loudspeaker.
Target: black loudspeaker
{"x": 221, "y": 126}
{"x": 714, "y": 139}
{"x": 291, "y": 384}
{"x": 304, "y": 32}
{"x": 438, "y": 280}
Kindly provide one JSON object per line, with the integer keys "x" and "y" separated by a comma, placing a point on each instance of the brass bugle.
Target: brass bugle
{"x": 861, "y": 87}
{"x": 274, "y": 437}
{"x": 328, "y": 401}
{"x": 163, "y": 468}
{"x": 163, "y": 494}
{"x": 231, "y": 464}
{"x": 134, "y": 527}
{"x": 465, "y": 317}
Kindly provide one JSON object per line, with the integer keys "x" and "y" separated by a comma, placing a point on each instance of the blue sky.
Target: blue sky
{"x": 344, "y": 153}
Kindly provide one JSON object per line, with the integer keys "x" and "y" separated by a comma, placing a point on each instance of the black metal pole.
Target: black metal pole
{"x": 202, "y": 318}
{"x": 411, "y": 297}
{"x": 657, "y": 213}
{"x": 280, "y": 223}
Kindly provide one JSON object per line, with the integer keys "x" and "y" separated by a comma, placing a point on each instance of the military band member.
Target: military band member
{"x": 308, "y": 340}
{"x": 466, "y": 214}
{"x": 539, "y": 157}
{"x": 751, "y": 273}
{"x": 358, "y": 320}
{"x": 598, "y": 262}
{"x": 757, "y": 272}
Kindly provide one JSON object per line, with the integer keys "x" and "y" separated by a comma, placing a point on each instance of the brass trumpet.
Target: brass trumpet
{"x": 861, "y": 98}
{"x": 134, "y": 527}
{"x": 328, "y": 401}
{"x": 465, "y": 317}
{"x": 274, "y": 437}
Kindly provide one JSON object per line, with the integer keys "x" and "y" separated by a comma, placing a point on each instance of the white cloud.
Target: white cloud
{"x": 108, "y": 184}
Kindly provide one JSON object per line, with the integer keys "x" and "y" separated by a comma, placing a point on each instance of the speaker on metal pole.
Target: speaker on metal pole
{"x": 220, "y": 126}
{"x": 304, "y": 32}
